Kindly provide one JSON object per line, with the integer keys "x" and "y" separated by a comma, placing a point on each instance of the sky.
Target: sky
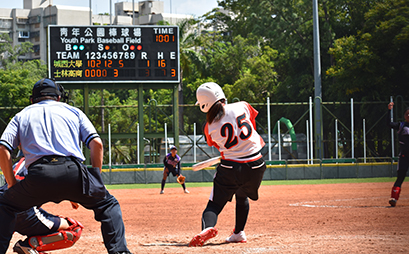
{"x": 194, "y": 7}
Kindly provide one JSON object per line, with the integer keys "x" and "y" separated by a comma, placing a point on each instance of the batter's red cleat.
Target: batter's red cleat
{"x": 237, "y": 238}
{"x": 204, "y": 236}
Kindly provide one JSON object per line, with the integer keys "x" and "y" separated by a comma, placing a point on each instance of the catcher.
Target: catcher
{"x": 44, "y": 231}
{"x": 172, "y": 165}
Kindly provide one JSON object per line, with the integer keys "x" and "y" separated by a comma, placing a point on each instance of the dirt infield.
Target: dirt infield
{"x": 330, "y": 218}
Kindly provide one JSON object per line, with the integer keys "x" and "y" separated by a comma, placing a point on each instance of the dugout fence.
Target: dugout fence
{"x": 276, "y": 170}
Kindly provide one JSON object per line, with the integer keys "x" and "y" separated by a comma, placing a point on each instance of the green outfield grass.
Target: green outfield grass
{"x": 270, "y": 182}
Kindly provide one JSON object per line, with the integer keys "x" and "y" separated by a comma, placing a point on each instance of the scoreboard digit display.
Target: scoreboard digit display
{"x": 106, "y": 54}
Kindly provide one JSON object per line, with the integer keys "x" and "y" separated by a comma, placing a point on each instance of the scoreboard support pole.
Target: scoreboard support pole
{"x": 176, "y": 115}
{"x": 141, "y": 133}
{"x": 86, "y": 111}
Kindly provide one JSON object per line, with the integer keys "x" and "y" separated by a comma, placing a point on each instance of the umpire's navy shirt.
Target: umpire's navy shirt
{"x": 48, "y": 128}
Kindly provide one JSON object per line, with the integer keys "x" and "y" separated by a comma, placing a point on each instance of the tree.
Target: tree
{"x": 16, "y": 78}
{"x": 10, "y": 54}
{"x": 373, "y": 64}
{"x": 286, "y": 25}
{"x": 258, "y": 79}
{"x": 225, "y": 60}
{"x": 16, "y": 84}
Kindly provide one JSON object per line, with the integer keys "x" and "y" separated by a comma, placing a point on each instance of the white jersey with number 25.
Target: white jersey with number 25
{"x": 235, "y": 135}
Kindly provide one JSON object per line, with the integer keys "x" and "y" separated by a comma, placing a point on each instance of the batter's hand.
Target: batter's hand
{"x": 74, "y": 205}
{"x": 390, "y": 105}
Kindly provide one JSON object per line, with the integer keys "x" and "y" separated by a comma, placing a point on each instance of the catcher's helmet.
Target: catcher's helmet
{"x": 208, "y": 94}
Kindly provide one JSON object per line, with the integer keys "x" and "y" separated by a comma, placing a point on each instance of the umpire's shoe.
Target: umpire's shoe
{"x": 122, "y": 252}
{"x": 23, "y": 248}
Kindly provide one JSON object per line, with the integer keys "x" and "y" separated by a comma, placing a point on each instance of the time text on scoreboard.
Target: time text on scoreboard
{"x": 105, "y": 54}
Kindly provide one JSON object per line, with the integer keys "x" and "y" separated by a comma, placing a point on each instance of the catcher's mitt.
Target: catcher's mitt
{"x": 181, "y": 179}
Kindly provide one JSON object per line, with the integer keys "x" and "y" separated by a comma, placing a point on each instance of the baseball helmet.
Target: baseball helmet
{"x": 208, "y": 94}
{"x": 47, "y": 87}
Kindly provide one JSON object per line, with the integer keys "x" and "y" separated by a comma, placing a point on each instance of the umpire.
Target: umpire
{"x": 50, "y": 133}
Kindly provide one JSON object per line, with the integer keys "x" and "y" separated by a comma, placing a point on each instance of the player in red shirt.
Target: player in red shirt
{"x": 231, "y": 128}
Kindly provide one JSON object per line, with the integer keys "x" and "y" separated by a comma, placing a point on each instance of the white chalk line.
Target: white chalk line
{"x": 316, "y": 204}
{"x": 164, "y": 244}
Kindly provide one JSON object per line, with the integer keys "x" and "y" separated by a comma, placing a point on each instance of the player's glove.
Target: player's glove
{"x": 181, "y": 179}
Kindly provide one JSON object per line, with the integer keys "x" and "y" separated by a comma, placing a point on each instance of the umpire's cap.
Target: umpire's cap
{"x": 45, "y": 87}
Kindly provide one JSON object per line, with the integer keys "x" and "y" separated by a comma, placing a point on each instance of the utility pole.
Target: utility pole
{"x": 110, "y": 12}
{"x": 90, "y": 13}
{"x": 133, "y": 12}
{"x": 317, "y": 83}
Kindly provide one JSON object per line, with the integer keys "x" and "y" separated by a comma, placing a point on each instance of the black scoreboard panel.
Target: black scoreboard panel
{"x": 105, "y": 54}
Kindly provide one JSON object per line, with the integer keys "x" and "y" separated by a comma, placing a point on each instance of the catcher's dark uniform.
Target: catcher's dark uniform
{"x": 49, "y": 133}
{"x": 28, "y": 222}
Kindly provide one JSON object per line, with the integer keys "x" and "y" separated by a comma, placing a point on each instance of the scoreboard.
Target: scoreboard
{"x": 106, "y": 54}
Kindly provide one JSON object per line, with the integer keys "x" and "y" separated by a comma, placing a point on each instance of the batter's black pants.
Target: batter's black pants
{"x": 54, "y": 182}
{"x": 232, "y": 178}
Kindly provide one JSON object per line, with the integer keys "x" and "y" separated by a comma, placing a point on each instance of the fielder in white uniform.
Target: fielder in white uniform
{"x": 232, "y": 130}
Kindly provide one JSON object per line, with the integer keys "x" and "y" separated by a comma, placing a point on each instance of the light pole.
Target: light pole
{"x": 110, "y": 12}
{"x": 133, "y": 12}
{"x": 171, "y": 11}
{"x": 317, "y": 82}
{"x": 90, "y": 13}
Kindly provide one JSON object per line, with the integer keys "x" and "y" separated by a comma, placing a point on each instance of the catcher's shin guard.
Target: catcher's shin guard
{"x": 395, "y": 192}
{"x": 59, "y": 240}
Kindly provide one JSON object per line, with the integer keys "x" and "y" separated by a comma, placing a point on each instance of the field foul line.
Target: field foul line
{"x": 164, "y": 244}
{"x": 316, "y": 203}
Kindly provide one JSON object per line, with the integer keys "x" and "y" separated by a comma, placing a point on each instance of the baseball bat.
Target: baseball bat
{"x": 206, "y": 163}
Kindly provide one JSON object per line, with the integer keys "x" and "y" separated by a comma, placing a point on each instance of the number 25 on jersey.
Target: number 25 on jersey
{"x": 227, "y": 131}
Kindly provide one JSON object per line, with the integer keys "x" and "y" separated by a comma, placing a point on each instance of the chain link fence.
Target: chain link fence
{"x": 379, "y": 140}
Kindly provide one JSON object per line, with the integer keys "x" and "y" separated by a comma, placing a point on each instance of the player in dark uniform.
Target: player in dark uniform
{"x": 49, "y": 133}
{"x": 231, "y": 128}
{"x": 172, "y": 165}
{"x": 44, "y": 231}
{"x": 403, "y": 163}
